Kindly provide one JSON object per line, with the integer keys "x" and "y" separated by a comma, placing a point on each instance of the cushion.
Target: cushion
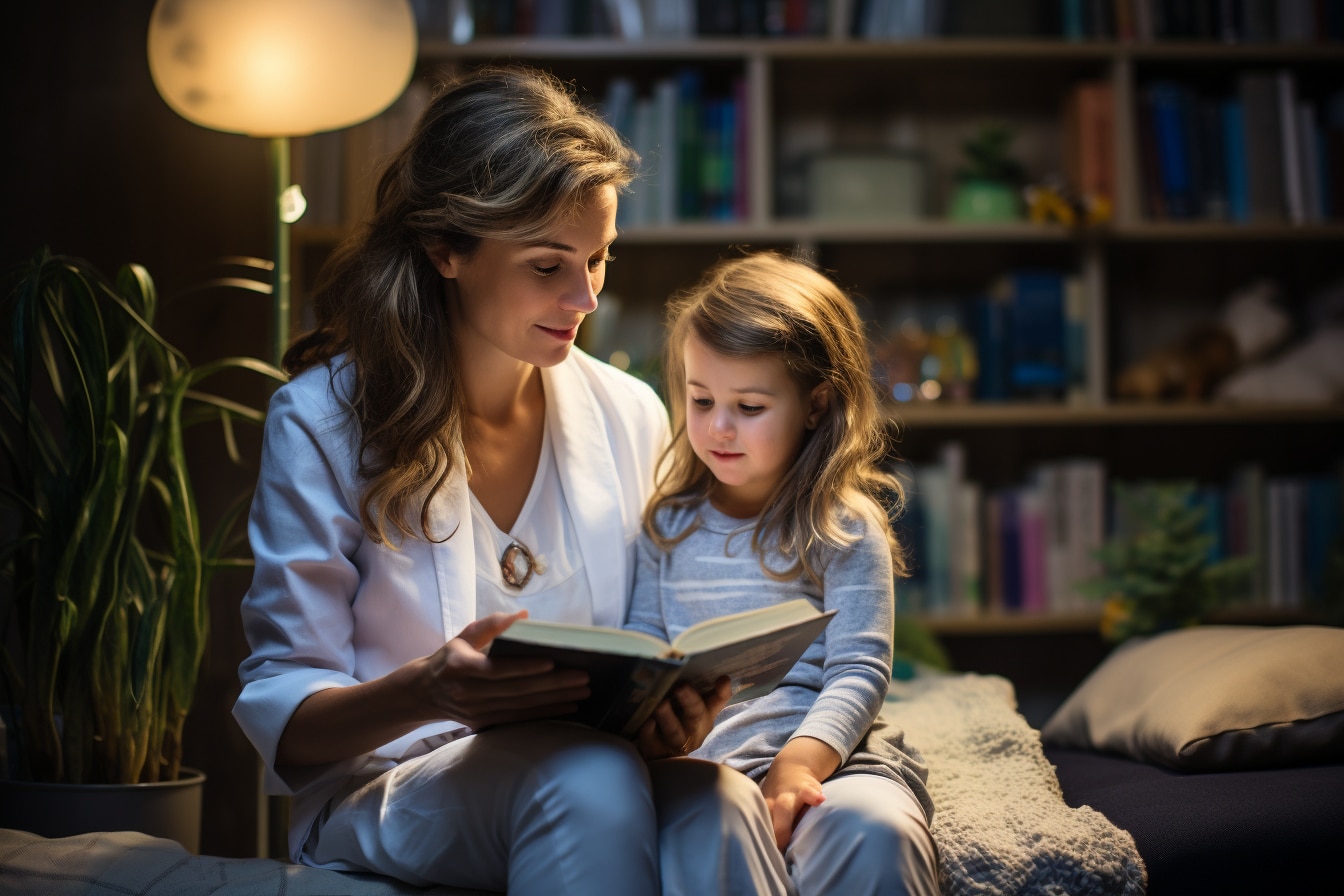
{"x": 1213, "y": 698}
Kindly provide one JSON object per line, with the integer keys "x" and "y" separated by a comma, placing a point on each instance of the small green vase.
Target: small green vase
{"x": 985, "y": 200}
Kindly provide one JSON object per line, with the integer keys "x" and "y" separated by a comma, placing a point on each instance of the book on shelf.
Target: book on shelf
{"x": 631, "y": 672}
{"x": 1089, "y": 139}
{"x": 691, "y": 141}
{"x": 1262, "y": 137}
{"x": 1036, "y": 340}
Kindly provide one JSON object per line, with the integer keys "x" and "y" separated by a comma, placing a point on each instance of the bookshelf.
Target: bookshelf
{"x": 1143, "y": 276}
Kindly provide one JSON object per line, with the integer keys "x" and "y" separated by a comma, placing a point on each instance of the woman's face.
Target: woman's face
{"x": 527, "y": 299}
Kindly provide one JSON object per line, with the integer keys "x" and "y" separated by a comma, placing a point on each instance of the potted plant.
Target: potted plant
{"x": 107, "y": 569}
{"x": 1157, "y": 574}
{"x": 989, "y": 183}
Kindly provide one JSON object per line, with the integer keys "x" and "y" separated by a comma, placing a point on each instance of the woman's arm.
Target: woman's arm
{"x": 457, "y": 682}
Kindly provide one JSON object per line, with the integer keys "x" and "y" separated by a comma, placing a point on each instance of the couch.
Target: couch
{"x": 1204, "y": 761}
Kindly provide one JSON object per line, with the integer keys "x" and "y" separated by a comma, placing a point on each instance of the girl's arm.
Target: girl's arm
{"x": 859, "y": 583}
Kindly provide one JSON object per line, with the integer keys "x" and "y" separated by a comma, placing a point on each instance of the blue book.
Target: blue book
{"x": 990, "y": 318}
{"x": 1323, "y": 532}
{"x": 909, "y": 527}
{"x": 690, "y": 146}
{"x": 1234, "y": 149}
{"x": 1170, "y": 105}
{"x": 1037, "y": 366}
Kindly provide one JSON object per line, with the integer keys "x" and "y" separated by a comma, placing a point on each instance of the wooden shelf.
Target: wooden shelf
{"x": 1135, "y": 414}
{"x": 1144, "y": 281}
{"x": 1012, "y": 623}
{"x": 1084, "y": 621}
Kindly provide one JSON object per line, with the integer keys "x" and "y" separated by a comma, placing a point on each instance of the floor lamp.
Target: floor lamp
{"x": 279, "y": 69}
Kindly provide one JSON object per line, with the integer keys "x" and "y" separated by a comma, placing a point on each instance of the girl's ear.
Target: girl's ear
{"x": 442, "y": 259}
{"x": 819, "y": 402}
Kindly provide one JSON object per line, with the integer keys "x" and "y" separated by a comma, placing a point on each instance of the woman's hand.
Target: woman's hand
{"x": 459, "y": 681}
{"x": 681, "y": 723}
{"x": 793, "y": 783}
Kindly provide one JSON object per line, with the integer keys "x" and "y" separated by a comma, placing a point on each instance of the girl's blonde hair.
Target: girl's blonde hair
{"x": 501, "y": 152}
{"x": 765, "y": 304}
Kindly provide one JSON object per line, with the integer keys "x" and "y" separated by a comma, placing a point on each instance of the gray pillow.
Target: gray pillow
{"x": 1213, "y": 698}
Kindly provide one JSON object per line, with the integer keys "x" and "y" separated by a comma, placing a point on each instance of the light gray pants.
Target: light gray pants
{"x": 868, "y": 838}
{"x": 552, "y": 808}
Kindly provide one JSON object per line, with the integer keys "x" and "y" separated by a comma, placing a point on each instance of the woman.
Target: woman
{"x": 442, "y": 462}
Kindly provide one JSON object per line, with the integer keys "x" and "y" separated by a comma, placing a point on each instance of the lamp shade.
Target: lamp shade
{"x": 281, "y": 68}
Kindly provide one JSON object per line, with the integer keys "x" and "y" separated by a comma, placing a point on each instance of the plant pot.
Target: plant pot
{"x": 985, "y": 200}
{"x": 170, "y": 809}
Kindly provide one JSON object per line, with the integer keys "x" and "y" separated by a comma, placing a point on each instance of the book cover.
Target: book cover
{"x": 1031, "y": 523}
{"x": 1290, "y": 138}
{"x": 1170, "y": 104}
{"x": 1234, "y": 161}
{"x": 1262, "y": 127}
{"x": 631, "y": 672}
{"x": 993, "y": 544}
{"x": 1010, "y": 549}
{"x": 1089, "y": 139}
{"x": 690, "y": 143}
{"x": 933, "y": 489}
{"x": 1036, "y": 350}
{"x": 1323, "y": 530}
{"x": 991, "y": 315}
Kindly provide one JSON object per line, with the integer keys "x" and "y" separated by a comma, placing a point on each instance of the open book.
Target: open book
{"x": 631, "y": 672}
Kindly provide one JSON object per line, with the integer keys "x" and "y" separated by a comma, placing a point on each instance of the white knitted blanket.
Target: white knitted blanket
{"x": 1001, "y": 824}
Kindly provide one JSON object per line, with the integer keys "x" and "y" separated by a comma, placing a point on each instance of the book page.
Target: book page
{"x": 725, "y": 630}
{"x": 756, "y": 664}
{"x": 583, "y": 637}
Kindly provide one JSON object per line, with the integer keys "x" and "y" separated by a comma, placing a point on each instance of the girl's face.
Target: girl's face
{"x": 747, "y": 419}
{"x": 527, "y": 299}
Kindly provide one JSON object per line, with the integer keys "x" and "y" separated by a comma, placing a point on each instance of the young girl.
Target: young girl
{"x": 772, "y": 490}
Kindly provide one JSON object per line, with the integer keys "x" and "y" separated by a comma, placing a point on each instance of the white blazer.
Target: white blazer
{"x": 329, "y": 608}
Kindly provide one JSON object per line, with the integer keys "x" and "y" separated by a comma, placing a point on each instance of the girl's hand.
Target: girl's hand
{"x": 681, "y": 723}
{"x": 460, "y": 681}
{"x": 789, "y": 789}
{"x": 794, "y": 782}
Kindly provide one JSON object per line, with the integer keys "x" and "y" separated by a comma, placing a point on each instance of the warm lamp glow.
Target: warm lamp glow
{"x": 272, "y": 68}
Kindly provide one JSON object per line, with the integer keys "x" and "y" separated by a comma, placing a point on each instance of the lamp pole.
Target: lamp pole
{"x": 280, "y": 302}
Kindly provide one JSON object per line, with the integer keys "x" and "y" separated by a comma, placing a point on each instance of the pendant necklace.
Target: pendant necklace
{"x": 517, "y": 564}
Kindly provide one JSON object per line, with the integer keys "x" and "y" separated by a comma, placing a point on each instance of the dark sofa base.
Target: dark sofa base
{"x": 1274, "y": 831}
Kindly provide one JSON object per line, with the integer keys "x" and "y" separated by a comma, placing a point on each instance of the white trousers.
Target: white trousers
{"x": 868, "y": 838}
{"x": 553, "y": 808}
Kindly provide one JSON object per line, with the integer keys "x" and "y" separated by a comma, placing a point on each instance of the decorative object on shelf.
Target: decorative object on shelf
{"x": 281, "y": 69}
{"x": 1251, "y": 325}
{"x": 1156, "y": 572}
{"x": 1309, "y": 370}
{"x": 867, "y": 186}
{"x": 989, "y": 183}
{"x": 109, "y": 567}
{"x": 1050, "y": 201}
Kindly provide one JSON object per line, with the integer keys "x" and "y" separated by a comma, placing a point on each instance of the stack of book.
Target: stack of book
{"x": 692, "y": 143}
{"x": 1260, "y": 152}
{"x": 1027, "y": 548}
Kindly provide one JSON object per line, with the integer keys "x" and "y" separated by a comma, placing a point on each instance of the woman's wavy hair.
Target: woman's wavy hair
{"x": 504, "y": 152}
{"x": 765, "y": 304}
